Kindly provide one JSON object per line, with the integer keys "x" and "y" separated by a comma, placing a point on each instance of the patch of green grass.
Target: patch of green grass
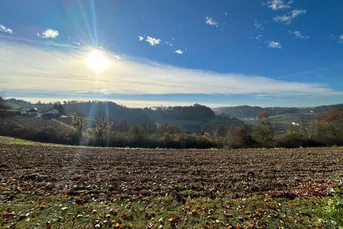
{"x": 163, "y": 212}
{"x": 287, "y": 119}
{"x": 17, "y": 141}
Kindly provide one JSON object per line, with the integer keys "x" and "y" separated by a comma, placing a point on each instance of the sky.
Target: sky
{"x": 180, "y": 52}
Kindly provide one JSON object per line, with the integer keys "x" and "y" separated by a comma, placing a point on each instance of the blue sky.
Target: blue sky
{"x": 217, "y": 53}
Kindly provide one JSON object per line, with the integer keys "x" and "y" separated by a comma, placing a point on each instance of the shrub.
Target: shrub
{"x": 263, "y": 133}
{"x": 294, "y": 140}
{"x": 239, "y": 137}
{"x": 334, "y": 209}
{"x": 219, "y": 142}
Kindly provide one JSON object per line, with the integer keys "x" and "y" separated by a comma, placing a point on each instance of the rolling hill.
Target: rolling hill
{"x": 253, "y": 111}
{"x": 280, "y": 116}
{"x": 192, "y": 119}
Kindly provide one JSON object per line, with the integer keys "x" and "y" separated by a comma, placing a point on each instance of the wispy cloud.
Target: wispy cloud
{"x": 30, "y": 67}
{"x": 296, "y": 13}
{"x": 287, "y": 19}
{"x": 258, "y": 37}
{"x": 225, "y": 13}
{"x": 273, "y": 44}
{"x": 211, "y": 22}
{"x": 130, "y": 103}
{"x": 5, "y": 30}
{"x": 338, "y": 38}
{"x": 169, "y": 43}
{"x": 258, "y": 25}
{"x": 49, "y": 33}
{"x": 297, "y": 34}
{"x": 302, "y": 73}
{"x": 278, "y": 4}
{"x": 140, "y": 38}
{"x": 178, "y": 51}
{"x": 153, "y": 41}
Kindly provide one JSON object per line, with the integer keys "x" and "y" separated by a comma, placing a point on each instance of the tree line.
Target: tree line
{"x": 101, "y": 130}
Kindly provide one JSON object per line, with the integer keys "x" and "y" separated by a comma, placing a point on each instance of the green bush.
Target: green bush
{"x": 334, "y": 209}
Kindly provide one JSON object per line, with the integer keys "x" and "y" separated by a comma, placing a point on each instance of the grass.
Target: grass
{"x": 27, "y": 211}
{"x": 17, "y": 141}
{"x": 285, "y": 119}
{"x": 28, "y": 203}
{"x": 289, "y": 118}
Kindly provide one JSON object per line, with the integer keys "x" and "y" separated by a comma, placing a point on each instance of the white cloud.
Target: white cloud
{"x": 297, "y": 34}
{"x": 338, "y": 38}
{"x": 258, "y": 25}
{"x": 278, "y": 4}
{"x": 5, "y": 30}
{"x": 49, "y": 33}
{"x": 287, "y": 19}
{"x": 169, "y": 43}
{"x": 273, "y": 44}
{"x": 211, "y": 22}
{"x": 178, "y": 51}
{"x": 296, "y": 13}
{"x": 130, "y": 103}
{"x": 27, "y": 67}
{"x": 141, "y": 38}
{"x": 153, "y": 41}
{"x": 258, "y": 37}
{"x": 117, "y": 57}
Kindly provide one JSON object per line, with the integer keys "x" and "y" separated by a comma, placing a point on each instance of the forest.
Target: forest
{"x": 98, "y": 123}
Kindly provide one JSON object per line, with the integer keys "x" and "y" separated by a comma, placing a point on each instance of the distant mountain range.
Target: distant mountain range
{"x": 253, "y": 111}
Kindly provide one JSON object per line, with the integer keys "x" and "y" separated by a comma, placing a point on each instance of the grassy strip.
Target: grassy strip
{"x": 16, "y": 141}
{"x": 4, "y": 140}
{"x": 26, "y": 211}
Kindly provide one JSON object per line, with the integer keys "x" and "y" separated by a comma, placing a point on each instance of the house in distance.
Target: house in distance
{"x": 52, "y": 113}
{"x": 32, "y": 112}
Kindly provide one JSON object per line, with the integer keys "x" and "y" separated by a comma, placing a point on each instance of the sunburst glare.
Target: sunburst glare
{"x": 97, "y": 60}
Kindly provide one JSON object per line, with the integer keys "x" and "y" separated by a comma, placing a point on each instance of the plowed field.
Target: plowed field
{"x": 49, "y": 169}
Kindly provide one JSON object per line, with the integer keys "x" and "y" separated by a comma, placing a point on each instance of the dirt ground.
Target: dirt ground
{"x": 104, "y": 172}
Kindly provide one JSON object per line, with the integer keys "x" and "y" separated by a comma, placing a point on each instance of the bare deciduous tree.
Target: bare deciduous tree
{"x": 102, "y": 128}
{"x": 78, "y": 122}
{"x": 264, "y": 131}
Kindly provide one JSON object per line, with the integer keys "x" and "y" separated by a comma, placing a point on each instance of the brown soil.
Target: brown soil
{"x": 107, "y": 172}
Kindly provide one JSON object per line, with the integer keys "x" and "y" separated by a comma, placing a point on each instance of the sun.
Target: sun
{"x": 97, "y": 60}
